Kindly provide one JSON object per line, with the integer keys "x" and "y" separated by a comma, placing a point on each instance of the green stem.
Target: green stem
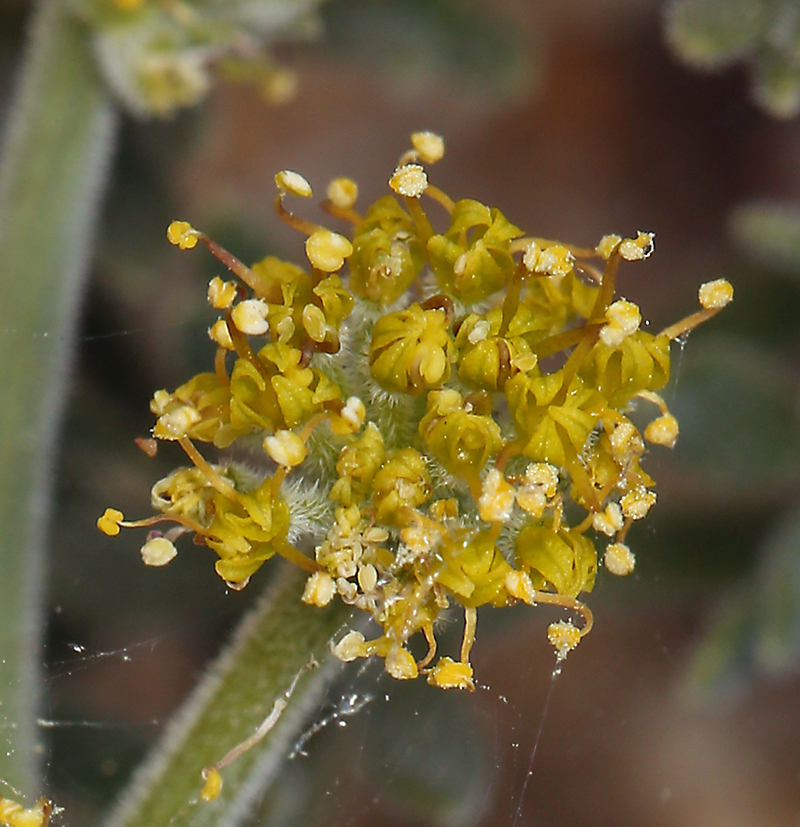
{"x": 52, "y": 175}
{"x": 270, "y": 647}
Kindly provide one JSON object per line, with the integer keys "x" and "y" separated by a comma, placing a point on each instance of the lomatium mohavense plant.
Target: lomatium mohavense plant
{"x": 442, "y": 416}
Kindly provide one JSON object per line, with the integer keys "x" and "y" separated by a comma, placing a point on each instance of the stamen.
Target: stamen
{"x": 567, "y": 603}
{"x": 714, "y": 296}
{"x": 294, "y": 221}
{"x": 470, "y": 626}
{"x": 427, "y": 630}
{"x": 441, "y": 198}
{"x": 211, "y": 776}
{"x": 225, "y": 487}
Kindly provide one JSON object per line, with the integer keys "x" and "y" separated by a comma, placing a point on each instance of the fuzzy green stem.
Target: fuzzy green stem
{"x": 272, "y": 645}
{"x": 53, "y": 169}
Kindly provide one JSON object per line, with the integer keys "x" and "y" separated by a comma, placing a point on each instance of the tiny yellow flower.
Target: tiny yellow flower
{"x": 327, "y": 251}
{"x": 109, "y": 522}
{"x": 619, "y": 559}
{"x": 221, "y": 294}
{"x": 350, "y": 647}
{"x": 286, "y": 448}
{"x": 450, "y": 674}
{"x": 563, "y": 637}
{"x": 409, "y": 180}
{"x": 636, "y": 249}
{"x": 622, "y": 320}
{"x": 250, "y": 316}
{"x": 410, "y": 349}
{"x": 182, "y": 234}
{"x": 213, "y": 784}
{"x": 220, "y": 335}
{"x": 343, "y": 193}
{"x": 429, "y": 146}
{"x": 158, "y": 552}
{"x": 662, "y": 431}
{"x": 294, "y": 183}
{"x": 497, "y": 498}
{"x": 715, "y": 295}
{"x": 401, "y": 665}
{"x": 607, "y": 245}
{"x": 320, "y": 589}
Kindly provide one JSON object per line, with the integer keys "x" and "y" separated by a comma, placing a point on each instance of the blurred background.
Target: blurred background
{"x": 576, "y": 119}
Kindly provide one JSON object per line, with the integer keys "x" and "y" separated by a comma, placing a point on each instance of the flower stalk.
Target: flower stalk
{"x": 270, "y": 652}
{"x": 55, "y": 156}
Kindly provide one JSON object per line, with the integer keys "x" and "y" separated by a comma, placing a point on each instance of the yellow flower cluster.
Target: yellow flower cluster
{"x": 160, "y": 56}
{"x": 445, "y": 416}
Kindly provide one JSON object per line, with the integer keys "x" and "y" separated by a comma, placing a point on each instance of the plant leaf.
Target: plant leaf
{"x": 770, "y": 233}
{"x": 52, "y": 177}
{"x": 713, "y": 33}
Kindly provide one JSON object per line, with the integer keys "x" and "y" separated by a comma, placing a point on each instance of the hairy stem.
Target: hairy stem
{"x": 53, "y": 170}
{"x": 272, "y": 645}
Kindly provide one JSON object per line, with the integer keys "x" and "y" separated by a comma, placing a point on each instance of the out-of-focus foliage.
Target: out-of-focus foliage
{"x": 765, "y": 34}
{"x": 755, "y": 629}
{"x": 770, "y": 233}
{"x": 427, "y": 41}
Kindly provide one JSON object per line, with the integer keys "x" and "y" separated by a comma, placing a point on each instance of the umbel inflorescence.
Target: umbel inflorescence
{"x": 441, "y": 406}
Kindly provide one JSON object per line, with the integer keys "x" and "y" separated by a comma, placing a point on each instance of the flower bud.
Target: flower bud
{"x": 410, "y": 349}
